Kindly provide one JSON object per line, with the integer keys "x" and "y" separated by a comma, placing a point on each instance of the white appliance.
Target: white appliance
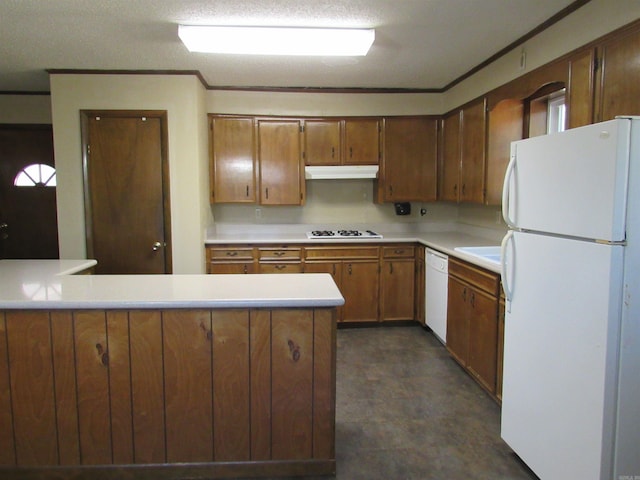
{"x": 571, "y": 274}
{"x": 436, "y": 286}
{"x": 342, "y": 234}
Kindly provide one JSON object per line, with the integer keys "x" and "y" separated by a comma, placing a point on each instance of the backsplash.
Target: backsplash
{"x": 336, "y": 202}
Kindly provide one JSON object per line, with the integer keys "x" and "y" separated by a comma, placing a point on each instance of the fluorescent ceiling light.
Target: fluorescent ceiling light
{"x": 277, "y": 40}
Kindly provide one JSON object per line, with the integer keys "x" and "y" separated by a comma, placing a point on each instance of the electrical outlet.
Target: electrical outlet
{"x": 258, "y": 213}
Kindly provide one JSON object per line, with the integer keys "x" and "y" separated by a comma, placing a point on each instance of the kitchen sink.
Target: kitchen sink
{"x": 490, "y": 254}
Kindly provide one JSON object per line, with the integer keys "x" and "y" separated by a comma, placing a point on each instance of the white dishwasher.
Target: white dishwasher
{"x": 436, "y": 282}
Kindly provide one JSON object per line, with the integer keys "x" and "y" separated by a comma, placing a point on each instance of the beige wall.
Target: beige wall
{"x": 182, "y": 97}
{"x": 591, "y": 21}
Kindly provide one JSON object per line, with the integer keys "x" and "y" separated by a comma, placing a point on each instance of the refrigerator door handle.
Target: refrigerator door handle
{"x": 506, "y": 193}
{"x": 506, "y": 285}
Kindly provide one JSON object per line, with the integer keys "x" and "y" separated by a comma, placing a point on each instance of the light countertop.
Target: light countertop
{"x": 443, "y": 241}
{"x": 47, "y": 284}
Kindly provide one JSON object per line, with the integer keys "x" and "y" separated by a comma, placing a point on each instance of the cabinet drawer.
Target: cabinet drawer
{"x": 341, "y": 252}
{"x": 476, "y": 276}
{"x": 272, "y": 267}
{"x": 276, "y": 254}
{"x": 220, "y": 254}
{"x": 398, "y": 251}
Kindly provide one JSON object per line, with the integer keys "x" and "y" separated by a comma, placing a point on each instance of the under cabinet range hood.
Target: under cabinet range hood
{"x": 340, "y": 171}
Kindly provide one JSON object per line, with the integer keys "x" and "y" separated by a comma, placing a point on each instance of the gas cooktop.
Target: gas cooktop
{"x": 337, "y": 234}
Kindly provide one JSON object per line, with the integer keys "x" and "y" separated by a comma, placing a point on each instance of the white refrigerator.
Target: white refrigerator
{"x": 571, "y": 275}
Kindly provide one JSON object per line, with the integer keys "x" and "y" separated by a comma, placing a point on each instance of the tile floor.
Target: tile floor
{"x": 406, "y": 411}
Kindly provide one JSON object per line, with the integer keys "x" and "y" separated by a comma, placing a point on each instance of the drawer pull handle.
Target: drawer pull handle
{"x": 398, "y": 251}
{"x": 232, "y": 254}
{"x": 278, "y": 254}
{"x": 280, "y": 267}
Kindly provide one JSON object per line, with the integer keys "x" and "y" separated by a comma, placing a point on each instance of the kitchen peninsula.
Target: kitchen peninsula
{"x": 165, "y": 376}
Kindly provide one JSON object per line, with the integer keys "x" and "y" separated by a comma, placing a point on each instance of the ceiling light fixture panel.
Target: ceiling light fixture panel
{"x": 277, "y": 40}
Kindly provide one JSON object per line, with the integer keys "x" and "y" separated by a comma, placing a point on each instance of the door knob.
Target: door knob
{"x": 3, "y": 231}
{"x": 156, "y": 246}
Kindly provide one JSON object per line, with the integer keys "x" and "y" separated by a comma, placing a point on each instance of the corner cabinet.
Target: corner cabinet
{"x": 473, "y": 322}
{"x": 408, "y": 170}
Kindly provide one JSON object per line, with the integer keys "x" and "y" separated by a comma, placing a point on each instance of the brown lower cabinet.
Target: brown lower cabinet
{"x": 473, "y": 322}
{"x": 378, "y": 281}
{"x": 167, "y": 393}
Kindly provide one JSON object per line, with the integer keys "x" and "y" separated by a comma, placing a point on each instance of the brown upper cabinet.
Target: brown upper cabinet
{"x": 232, "y": 160}
{"x": 362, "y": 141}
{"x": 334, "y": 141}
{"x": 463, "y": 154}
{"x": 505, "y": 125}
{"x": 618, "y": 78}
{"x": 450, "y": 157}
{"x": 323, "y": 142}
{"x": 472, "y": 151}
{"x": 281, "y": 177}
{"x": 408, "y": 170}
{"x": 256, "y": 160}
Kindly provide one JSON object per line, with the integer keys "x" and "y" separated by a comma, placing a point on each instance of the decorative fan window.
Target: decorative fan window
{"x": 36, "y": 175}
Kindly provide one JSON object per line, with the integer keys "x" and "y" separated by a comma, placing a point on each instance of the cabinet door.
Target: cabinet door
{"x": 398, "y": 281}
{"x": 361, "y": 141}
{"x": 505, "y": 126}
{"x": 232, "y": 160}
{"x": 483, "y": 337}
{"x": 580, "y": 90}
{"x": 281, "y": 169}
{"x": 458, "y": 320}
{"x": 450, "y": 172}
{"x": 473, "y": 153}
{"x": 409, "y": 159}
{"x": 360, "y": 281}
{"x": 322, "y": 142}
{"x": 619, "y": 90}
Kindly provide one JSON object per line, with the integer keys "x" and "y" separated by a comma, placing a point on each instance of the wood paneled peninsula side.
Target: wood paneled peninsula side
{"x": 166, "y": 376}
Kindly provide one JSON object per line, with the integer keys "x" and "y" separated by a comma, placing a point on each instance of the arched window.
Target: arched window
{"x": 36, "y": 175}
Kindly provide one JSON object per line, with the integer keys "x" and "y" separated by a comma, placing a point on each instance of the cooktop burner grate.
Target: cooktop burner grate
{"x": 343, "y": 233}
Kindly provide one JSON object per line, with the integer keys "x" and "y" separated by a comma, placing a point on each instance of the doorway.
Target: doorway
{"x": 126, "y": 191}
{"x": 28, "y": 218}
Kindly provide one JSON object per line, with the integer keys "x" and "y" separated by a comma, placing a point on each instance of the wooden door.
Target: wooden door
{"x": 473, "y": 153}
{"x": 450, "y": 172}
{"x": 409, "y": 159}
{"x": 281, "y": 168}
{"x": 362, "y": 141}
{"x": 232, "y": 155}
{"x": 127, "y": 191}
{"x": 28, "y": 218}
{"x": 322, "y": 142}
{"x": 619, "y": 92}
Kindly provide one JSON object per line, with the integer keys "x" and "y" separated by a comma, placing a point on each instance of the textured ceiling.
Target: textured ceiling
{"x": 420, "y": 44}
